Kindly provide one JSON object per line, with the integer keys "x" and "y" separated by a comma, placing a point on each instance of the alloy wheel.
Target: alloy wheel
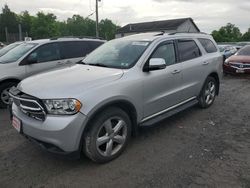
{"x": 5, "y": 96}
{"x": 210, "y": 92}
{"x": 111, "y": 136}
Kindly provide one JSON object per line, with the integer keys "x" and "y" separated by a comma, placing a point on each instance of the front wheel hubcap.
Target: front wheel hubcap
{"x": 111, "y": 136}
{"x": 210, "y": 92}
{"x": 5, "y": 96}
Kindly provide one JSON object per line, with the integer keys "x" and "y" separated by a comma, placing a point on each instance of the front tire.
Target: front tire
{"x": 4, "y": 93}
{"x": 108, "y": 136}
{"x": 208, "y": 93}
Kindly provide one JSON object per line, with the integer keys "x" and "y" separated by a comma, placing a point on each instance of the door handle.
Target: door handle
{"x": 205, "y": 63}
{"x": 176, "y": 71}
{"x": 68, "y": 62}
{"x": 60, "y": 63}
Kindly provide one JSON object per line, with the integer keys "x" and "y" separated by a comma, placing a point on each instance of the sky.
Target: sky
{"x": 207, "y": 14}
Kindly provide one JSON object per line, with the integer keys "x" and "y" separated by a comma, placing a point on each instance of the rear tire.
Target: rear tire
{"x": 208, "y": 93}
{"x": 4, "y": 96}
{"x": 108, "y": 136}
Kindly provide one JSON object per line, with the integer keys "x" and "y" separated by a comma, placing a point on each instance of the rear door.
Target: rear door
{"x": 162, "y": 88}
{"x": 47, "y": 56}
{"x": 193, "y": 72}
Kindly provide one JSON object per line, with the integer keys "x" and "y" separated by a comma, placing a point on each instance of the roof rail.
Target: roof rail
{"x": 161, "y": 33}
{"x": 187, "y": 33}
{"x": 76, "y": 37}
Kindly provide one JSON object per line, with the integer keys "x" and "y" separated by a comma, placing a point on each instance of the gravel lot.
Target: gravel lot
{"x": 195, "y": 148}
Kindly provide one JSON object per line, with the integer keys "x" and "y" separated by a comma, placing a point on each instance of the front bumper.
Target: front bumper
{"x": 62, "y": 132}
{"x": 235, "y": 70}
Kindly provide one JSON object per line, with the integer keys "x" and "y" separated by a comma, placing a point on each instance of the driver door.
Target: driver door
{"x": 162, "y": 88}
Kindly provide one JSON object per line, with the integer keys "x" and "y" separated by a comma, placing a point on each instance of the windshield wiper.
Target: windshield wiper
{"x": 97, "y": 64}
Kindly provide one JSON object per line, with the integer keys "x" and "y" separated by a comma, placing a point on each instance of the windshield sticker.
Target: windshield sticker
{"x": 140, "y": 43}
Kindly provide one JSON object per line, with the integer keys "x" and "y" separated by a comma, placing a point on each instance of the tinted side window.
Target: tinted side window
{"x": 47, "y": 52}
{"x": 188, "y": 49}
{"x": 94, "y": 44}
{"x": 74, "y": 49}
{"x": 208, "y": 45}
{"x": 167, "y": 52}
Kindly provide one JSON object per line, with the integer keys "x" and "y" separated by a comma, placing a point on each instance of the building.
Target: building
{"x": 168, "y": 26}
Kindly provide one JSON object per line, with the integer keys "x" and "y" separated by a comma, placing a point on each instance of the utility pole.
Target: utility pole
{"x": 20, "y": 32}
{"x": 6, "y": 35}
{"x": 97, "y": 18}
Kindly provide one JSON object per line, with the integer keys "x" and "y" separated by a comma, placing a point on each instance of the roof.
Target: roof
{"x": 155, "y": 26}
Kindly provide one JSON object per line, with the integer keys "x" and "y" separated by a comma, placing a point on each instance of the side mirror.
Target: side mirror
{"x": 32, "y": 59}
{"x": 155, "y": 64}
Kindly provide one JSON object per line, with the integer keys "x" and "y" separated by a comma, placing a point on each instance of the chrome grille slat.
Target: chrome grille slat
{"x": 30, "y": 107}
{"x": 240, "y": 65}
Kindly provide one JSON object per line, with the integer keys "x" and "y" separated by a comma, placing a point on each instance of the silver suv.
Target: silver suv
{"x": 29, "y": 58}
{"x": 126, "y": 83}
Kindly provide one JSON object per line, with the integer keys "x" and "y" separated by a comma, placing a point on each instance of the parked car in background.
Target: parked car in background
{"x": 238, "y": 63}
{"x": 134, "y": 81}
{"x": 37, "y": 56}
{"x": 238, "y": 47}
{"x": 227, "y": 50}
{"x": 5, "y": 49}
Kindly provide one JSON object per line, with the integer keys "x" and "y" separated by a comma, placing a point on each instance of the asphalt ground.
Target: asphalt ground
{"x": 195, "y": 148}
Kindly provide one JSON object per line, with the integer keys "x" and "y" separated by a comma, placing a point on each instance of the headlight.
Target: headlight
{"x": 62, "y": 106}
{"x": 226, "y": 62}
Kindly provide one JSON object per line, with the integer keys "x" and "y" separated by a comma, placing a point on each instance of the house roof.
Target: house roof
{"x": 155, "y": 26}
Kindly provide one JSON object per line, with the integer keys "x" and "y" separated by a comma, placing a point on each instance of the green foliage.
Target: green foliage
{"x": 7, "y": 19}
{"x": 26, "y": 20}
{"x": 230, "y": 33}
{"x": 107, "y": 29}
{"x": 46, "y": 25}
{"x": 246, "y": 36}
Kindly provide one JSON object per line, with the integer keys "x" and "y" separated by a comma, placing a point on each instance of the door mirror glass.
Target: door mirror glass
{"x": 32, "y": 58}
{"x": 156, "y": 64}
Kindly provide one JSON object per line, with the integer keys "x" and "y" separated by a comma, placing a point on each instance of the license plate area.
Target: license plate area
{"x": 17, "y": 124}
{"x": 240, "y": 71}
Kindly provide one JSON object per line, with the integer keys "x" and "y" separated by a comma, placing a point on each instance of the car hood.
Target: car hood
{"x": 69, "y": 82}
{"x": 239, "y": 58}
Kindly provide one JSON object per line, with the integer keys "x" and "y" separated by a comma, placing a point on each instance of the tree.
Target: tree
{"x": 246, "y": 36}
{"x": 228, "y": 33}
{"x": 44, "y": 26}
{"x": 25, "y": 19}
{"x": 107, "y": 29}
{"x": 79, "y": 26}
{"x": 8, "y": 20}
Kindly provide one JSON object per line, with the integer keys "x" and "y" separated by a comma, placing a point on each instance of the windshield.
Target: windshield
{"x": 244, "y": 51}
{"x": 122, "y": 54}
{"x": 8, "y": 48}
{"x": 16, "y": 53}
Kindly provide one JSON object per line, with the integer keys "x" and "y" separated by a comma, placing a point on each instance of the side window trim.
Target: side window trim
{"x": 161, "y": 44}
{"x": 24, "y": 61}
{"x": 204, "y": 47}
{"x": 187, "y": 40}
{"x": 50, "y": 43}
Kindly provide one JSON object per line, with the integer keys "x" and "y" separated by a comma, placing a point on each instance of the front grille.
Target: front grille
{"x": 30, "y": 106}
{"x": 241, "y": 65}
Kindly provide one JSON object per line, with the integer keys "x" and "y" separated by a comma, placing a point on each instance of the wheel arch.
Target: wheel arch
{"x": 16, "y": 80}
{"x": 123, "y": 104}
